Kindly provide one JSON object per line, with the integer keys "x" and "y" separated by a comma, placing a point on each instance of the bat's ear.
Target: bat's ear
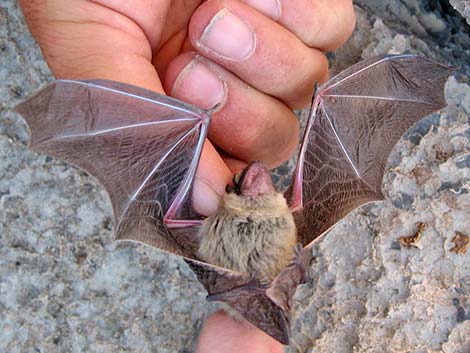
{"x": 229, "y": 189}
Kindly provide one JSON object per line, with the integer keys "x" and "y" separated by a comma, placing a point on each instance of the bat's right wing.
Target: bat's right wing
{"x": 356, "y": 119}
{"x": 143, "y": 147}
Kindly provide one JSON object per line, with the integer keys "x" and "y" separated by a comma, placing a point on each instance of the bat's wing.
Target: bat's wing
{"x": 143, "y": 147}
{"x": 356, "y": 119}
{"x": 248, "y": 297}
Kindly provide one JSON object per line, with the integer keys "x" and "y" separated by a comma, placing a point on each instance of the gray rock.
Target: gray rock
{"x": 434, "y": 22}
{"x": 462, "y": 6}
{"x": 65, "y": 287}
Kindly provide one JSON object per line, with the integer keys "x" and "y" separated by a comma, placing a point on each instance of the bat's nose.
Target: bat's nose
{"x": 256, "y": 180}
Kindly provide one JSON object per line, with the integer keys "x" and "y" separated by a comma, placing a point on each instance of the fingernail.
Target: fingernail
{"x": 271, "y": 8}
{"x": 228, "y": 36}
{"x": 199, "y": 85}
{"x": 205, "y": 199}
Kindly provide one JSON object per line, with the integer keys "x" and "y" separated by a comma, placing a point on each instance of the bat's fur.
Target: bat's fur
{"x": 254, "y": 235}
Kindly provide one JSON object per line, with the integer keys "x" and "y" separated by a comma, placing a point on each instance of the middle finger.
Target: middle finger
{"x": 258, "y": 50}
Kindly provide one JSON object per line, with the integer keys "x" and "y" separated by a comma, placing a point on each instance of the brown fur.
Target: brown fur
{"x": 250, "y": 235}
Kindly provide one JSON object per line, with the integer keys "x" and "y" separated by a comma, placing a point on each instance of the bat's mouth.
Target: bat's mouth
{"x": 254, "y": 181}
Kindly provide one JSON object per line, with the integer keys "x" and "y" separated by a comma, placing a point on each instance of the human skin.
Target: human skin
{"x": 258, "y": 58}
{"x": 221, "y": 333}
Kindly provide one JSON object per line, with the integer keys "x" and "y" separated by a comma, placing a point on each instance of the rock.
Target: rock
{"x": 65, "y": 287}
{"x": 463, "y": 7}
{"x": 434, "y": 22}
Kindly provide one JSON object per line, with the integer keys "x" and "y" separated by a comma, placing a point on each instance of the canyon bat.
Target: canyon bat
{"x": 145, "y": 147}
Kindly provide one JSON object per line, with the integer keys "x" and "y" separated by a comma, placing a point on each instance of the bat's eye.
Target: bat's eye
{"x": 232, "y": 189}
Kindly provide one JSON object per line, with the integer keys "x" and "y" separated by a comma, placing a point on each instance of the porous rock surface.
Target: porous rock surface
{"x": 462, "y": 6}
{"x": 65, "y": 287}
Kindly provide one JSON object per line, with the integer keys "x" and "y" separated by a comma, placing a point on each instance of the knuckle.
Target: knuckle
{"x": 347, "y": 21}
{"x": 315, "y": 70}
{"x": 342, "y": 24}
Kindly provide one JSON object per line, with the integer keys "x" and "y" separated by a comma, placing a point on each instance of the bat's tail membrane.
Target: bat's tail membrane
{"x": 247, "y": 296}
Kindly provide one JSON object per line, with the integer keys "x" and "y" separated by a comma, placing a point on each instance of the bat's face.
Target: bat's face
{"x": 254, "y": 181}
{"x": 253, "y": 231}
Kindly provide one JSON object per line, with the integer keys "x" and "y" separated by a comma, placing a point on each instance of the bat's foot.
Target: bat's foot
{"x": 301, "y": 262}
{"x": 284, "y": 285}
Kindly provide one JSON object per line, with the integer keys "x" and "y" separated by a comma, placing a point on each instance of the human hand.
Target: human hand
{"x": 222, "y": 333}
{"x": 259, "y": 63}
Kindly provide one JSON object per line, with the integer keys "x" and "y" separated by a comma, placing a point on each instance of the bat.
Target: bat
{"x": 144, "y": 148}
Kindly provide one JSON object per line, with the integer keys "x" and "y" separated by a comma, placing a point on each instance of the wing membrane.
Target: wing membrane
{"x": 246, "y": 296}
{"x": 143, "y": 147}
{"x": 356, "y": 119}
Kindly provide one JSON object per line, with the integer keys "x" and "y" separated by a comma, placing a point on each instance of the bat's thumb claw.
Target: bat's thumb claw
{"x": 214, "y": 108}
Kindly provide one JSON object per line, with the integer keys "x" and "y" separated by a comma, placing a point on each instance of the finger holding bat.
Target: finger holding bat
{"x": 249, "y": 125}
{"x": 258, "y": 50}
{"x": 320, "y": 24}
{"x": 151, "y": 144}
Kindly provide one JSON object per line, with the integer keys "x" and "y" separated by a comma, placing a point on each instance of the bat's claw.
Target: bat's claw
{"x": 300, "y": 262}
{"x": 298, "y": 250}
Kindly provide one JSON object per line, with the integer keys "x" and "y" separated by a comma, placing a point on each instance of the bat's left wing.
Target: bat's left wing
{"x": 144, "y": 148}
{"x": 356, "y": 119}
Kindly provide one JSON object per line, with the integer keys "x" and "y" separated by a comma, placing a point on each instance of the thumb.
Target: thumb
{"x": 222, "y": 333}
